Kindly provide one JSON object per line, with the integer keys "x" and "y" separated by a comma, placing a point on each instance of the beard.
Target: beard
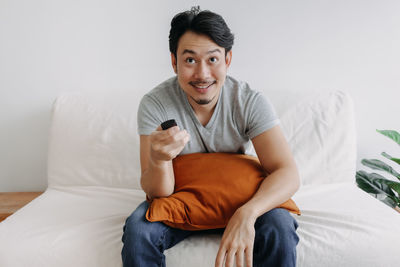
{"x": 203, "y": 101}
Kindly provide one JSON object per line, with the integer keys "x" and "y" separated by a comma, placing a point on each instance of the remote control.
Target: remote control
{"x": 168, "y": 124}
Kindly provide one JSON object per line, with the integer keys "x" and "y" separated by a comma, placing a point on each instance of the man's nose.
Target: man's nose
{"x": 202, "y": 71}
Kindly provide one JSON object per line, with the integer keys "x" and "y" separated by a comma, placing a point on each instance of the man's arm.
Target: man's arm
{"x": 156, "y": 153}
{"x": 282, "y": 182}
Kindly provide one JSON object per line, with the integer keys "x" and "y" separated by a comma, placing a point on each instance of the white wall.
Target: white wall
{"x": 48, "y": 47}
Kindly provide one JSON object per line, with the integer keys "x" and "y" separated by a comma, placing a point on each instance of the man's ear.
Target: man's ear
{"x": 228, "y": 58}
{"x": 173, "y": 62}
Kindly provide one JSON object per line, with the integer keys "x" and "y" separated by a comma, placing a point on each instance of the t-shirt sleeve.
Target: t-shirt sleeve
{"x": 150, "y": 115}
{"x": 261, "y": 116}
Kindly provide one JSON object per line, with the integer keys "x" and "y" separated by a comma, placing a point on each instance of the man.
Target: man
{"x": 217, "y": 114}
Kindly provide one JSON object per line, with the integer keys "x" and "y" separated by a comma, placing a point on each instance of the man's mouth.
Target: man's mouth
{"x": 201, "y": 87}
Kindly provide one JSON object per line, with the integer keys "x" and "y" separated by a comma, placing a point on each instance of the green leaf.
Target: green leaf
{"x": 395, "y": 136}
{"x": 387, "y": 200}
{"x": 376, "y": 181}
{"x": 386, "y": 155}
{"x": 373, "y": 184}
{"x": 395, "y": 187}
{"x": 376, "y": 164}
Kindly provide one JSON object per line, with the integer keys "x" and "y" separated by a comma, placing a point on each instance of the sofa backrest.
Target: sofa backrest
{"x": 320, "y": 128}
{"x": 94, "y": 142}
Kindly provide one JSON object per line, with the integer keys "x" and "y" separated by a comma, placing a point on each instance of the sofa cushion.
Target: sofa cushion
{"x": 320, "y": 129}
{"x": 209, "y": 188}
{"x": 93, "y": 141}
{"x": 82, "y": 227}
{"x": 68, "y": 226}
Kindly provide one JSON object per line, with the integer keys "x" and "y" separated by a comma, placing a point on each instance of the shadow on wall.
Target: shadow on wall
{"x": 24, "y": 143}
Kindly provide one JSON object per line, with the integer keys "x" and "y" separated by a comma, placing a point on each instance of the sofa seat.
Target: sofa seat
{"x": 82, "y": 226}
{"x": 70, "y": 226}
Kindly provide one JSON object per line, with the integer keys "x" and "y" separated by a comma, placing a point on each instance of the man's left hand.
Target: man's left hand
{"x": 237, "y": 241}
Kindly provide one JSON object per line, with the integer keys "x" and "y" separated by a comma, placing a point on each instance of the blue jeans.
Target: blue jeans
{"x": 144, "y": 242}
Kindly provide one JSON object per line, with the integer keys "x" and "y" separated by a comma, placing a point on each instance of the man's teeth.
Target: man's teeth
{"x": 203, "y": 87}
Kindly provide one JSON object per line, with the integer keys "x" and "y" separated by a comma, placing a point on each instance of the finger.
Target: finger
{"x": 170, "y": 131}
{"x": 249, "y": 256}
{"x": 175, "y": 152}
{"x": 184, "y": 136}
{"x": 239, "y": 258}
{"x": 178, "y": 140}
{"x": 180, "y": 143}
{"x": 162, "y": 135}
{"x": 169, "y": 148}
{"x": 219, "y": 260}
{"x": 230, "y": 257}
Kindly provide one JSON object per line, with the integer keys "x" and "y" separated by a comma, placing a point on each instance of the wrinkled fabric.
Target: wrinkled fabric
{"x": 94, "y": 169}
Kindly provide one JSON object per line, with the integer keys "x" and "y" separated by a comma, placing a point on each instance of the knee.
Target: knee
{"x": 277, "y": 227}
{"x": 135, "y": 225}
{"x": 276, "y": 239}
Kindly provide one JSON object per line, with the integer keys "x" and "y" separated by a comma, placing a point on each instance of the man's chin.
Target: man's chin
{"x": 202, "y": 101}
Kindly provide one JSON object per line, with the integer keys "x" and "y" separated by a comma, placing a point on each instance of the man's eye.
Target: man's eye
{"x": 213, "y": 59}
{"x": 190, "y": 60}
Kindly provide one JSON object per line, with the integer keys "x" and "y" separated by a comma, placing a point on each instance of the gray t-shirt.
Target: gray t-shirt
{"x": 240, "y": 115}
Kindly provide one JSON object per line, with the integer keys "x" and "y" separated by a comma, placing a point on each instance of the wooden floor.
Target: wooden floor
{"x": 10, "y": 202}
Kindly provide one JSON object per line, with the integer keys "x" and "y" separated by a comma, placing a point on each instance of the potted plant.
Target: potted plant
{"x": 386, "y": 190}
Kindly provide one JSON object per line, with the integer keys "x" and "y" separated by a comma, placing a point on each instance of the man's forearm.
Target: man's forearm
{"x": 158, "y": 180}
{"x": 277, "y": 188}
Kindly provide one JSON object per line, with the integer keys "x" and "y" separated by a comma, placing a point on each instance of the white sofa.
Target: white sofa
{"x": 93, "y": 174}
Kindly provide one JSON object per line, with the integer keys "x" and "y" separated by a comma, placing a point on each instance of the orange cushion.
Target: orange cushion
{"x": 209, "y": 188}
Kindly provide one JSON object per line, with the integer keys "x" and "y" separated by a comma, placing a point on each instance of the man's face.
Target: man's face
{"x": 201, "y": 68}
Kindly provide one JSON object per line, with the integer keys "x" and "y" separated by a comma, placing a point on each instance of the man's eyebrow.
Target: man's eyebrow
{"x": 213, "y": 51}
{"x": 188, "y": 51}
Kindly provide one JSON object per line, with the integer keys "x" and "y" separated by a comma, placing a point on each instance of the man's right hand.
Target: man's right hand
{"x": 156, "y": 153}
{"x": 165, "y": 145}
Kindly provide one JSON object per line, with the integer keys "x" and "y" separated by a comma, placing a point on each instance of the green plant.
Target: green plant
{"x": 386, "y": 190}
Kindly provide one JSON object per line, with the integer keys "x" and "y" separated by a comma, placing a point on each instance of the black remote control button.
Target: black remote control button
{"x": 168, "y": 124}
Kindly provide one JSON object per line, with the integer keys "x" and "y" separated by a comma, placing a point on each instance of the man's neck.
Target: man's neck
{"x": 203, "y": 112}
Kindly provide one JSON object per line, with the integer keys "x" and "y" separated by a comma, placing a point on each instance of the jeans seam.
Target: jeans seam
{"x": 159, "y": 243}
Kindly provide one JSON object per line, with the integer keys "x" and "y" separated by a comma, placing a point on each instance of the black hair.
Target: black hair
{"x": 200, "y": 22}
